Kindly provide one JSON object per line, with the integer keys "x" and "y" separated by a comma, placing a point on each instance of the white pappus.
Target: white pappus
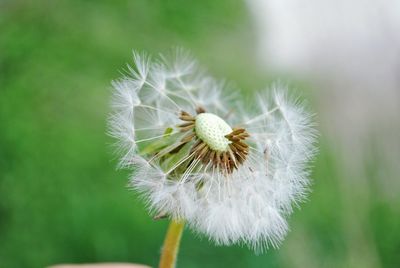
{"x": 198, "y": 154}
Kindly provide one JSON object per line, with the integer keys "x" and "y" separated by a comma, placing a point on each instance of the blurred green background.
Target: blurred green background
{"x": 61, "y": 199}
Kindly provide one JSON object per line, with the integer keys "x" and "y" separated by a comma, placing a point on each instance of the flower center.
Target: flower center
{"x": 212, "y": 129}
{"x": 215, "y": 142}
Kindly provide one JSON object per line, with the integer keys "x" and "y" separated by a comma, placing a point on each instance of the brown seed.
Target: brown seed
{"x": 218, "y": 158}
{"x": 187, "y": 118}
{"x": 200, "y": 110}
{"x": 197, "y": 143}
{"x": 203, "y": 152}
{"x": 206, "y": 158}
{"x": 237, "y": 131}
{"x": 188, "y": 137}
{"x": 243, "y": 135}
{"x": 233, "y": 159}
{"x": 233, "y": 148}
{"x": 199, "y": 147}
{"x": 239, "y": 146}
{"x": 186, "y": 124}
{"x": 234, "y": 139}
{"x": 225, "y": 161}
{"x": 242, "y": 144}
{"x": 187, "y": 128}
{"x": 212, "y": 156}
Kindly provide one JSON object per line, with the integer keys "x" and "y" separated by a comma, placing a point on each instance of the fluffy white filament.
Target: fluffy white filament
{"x": 249, "y": 205}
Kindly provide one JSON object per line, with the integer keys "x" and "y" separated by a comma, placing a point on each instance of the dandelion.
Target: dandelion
{"x": 200, "y": 156}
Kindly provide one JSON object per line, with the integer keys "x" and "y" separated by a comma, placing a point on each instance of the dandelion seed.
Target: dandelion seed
{"x": 233, "y": 178}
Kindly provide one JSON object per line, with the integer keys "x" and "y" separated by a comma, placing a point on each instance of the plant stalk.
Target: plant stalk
{"x": 171, "y": 244}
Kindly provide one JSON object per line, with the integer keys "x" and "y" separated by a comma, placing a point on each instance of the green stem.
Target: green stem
{"x": 171, "y": 244}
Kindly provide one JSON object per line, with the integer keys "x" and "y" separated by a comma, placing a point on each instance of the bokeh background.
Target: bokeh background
{"x": 61, "y": 199}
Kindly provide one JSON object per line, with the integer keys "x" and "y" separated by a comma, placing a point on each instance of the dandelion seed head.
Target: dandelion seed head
{"x": 233, "y": 172}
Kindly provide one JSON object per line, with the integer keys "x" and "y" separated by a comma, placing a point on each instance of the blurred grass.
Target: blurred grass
{"x": 61, "y": 199}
